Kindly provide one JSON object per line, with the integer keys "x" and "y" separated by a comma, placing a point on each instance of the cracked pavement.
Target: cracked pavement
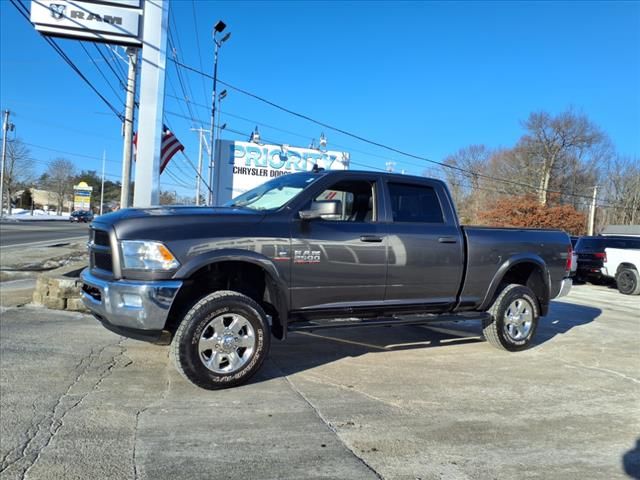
{"x": 407, "y": 402}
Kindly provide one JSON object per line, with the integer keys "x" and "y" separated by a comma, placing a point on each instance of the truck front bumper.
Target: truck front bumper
{"x": 132, "y": 308}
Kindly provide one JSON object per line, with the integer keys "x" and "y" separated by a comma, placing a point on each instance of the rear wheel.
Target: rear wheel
{"x": 222, "y": 340}
{"x": 514, "y": 319}
{"x": 628, "y": 281}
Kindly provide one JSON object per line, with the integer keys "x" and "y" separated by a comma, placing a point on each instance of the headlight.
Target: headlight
{"x": 140, "y": 255}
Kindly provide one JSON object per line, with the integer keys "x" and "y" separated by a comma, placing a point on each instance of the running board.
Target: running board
{"x": 386, "y": 321}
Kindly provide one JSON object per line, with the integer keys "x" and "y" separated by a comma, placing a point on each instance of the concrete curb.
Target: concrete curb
{"x": 59, "y": 289}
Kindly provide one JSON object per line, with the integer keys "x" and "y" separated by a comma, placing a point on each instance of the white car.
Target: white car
{"x": 623, "y": 264}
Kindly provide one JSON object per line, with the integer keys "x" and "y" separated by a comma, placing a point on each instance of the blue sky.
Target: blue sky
{"x": 425, "y": 77}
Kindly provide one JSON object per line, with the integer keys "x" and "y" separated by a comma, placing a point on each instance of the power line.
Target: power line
{"x": 116, "y": 93}
{"x": 195, "y": 24}
{"x": 116, "y": 61}
{"x": 373, "y": 142}
{"x": 372, "y": 167}
{"x": 118, "y": 177}
{"x": 25, "y": 13}
{"x": 108, "y": 63}
{"x": 184, "y": 85}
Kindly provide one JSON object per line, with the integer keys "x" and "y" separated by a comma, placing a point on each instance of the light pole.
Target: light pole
{"x": 218, "y": 28}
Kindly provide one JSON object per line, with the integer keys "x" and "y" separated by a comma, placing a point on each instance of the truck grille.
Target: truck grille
{"x": 100, "y": 237}
{"x": 100, "y": 255}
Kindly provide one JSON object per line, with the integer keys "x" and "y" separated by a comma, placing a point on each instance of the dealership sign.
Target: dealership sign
{"x": 113, "y": 21}
{"x": 241, "y": 166}
{"x": 82, "y": 196}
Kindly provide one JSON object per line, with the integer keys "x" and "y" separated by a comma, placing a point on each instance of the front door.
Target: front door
{"x": 340, "y": 261}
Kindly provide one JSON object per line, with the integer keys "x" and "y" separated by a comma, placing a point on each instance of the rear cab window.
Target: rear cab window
{"x": 414, "y": 203}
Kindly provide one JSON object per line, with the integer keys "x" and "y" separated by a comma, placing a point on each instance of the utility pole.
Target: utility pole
{"x": 6, "y": 126}
{"x": 104, "y": 156}
{"x": 201, "y": 132}
{"x": 592, "y": 211}
{"x": 128, "y": 129}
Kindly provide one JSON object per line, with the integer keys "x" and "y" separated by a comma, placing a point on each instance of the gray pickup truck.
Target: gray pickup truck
{"x": 312, "y": 250}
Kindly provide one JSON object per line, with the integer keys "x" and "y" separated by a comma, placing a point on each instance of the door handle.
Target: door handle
{"x": 370, "y": 238}
{"x": 448, "y": 240}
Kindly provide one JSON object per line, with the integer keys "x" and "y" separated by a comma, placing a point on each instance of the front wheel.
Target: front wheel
{"x": 514, "y": 319}
{"x": 222, "y": 340}
{"x": 628, "y": 281}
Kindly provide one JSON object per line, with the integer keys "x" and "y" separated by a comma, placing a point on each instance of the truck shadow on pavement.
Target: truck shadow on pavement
{"x": 561, "y": 318}
{"x": 306, "y": 350}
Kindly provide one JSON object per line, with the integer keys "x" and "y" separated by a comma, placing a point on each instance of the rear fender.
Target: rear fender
{"x": 505, "y": 267}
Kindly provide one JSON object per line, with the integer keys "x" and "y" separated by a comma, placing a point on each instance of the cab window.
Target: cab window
{"x": 356, "y": 200}
{"x": 414, "y": 203}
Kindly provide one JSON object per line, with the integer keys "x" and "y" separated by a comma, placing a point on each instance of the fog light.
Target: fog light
{"x": 131, "y": 300}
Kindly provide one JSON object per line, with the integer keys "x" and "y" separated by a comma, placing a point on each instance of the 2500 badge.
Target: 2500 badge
{"x": 306, "y": 256}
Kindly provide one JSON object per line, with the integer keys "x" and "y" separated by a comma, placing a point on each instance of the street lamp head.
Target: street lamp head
{"x": 323, "y": 140}
{"x": 223, "y": 126}
{"x": 223, "y": 95}
{"x": 255, "y": 136}
{"x": 219, "y": 27}
{"x": 225, "y": 38}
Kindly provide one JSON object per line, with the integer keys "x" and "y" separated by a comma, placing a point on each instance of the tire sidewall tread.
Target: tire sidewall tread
{"x": 493, "y": 328}
{"x": 185, "y": 342}
{"x": 636, "y": 275}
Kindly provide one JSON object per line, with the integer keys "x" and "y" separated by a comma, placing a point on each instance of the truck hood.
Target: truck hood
{"x": 167, "y": 223}
{"x": 176, "y": 211}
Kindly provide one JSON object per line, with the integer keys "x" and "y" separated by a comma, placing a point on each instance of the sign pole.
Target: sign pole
{"x": 152, "y": 77}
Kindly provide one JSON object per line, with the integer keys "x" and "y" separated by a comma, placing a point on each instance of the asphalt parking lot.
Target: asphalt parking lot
{"x": 406, "y": 402}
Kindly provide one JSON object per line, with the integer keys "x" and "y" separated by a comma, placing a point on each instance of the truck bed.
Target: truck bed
{"x": 489, "y": 250}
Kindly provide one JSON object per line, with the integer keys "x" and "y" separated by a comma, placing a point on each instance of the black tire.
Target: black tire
{"x": 628, "y": 281}
{"x": 193, "y": 329}
{"x": 495, "y": 328}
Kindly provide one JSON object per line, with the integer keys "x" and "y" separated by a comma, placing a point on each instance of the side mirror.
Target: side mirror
{"x": 322, "y": 208}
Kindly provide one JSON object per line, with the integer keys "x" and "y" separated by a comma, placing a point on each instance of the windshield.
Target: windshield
{"x": 274, "y": 193}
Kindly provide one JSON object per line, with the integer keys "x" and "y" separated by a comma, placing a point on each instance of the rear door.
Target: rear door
{"x": 425, "y": 259}
{"x": 340, "y": 262}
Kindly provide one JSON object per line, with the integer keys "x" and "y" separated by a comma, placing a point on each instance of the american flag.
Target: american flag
{"x": 170, "y": 146}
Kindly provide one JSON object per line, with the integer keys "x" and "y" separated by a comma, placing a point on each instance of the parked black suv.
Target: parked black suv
{"x": 591, "y": 254}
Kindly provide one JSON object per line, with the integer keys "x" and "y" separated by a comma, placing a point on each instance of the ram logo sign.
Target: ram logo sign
{"x": 57, "y": 11}
{"x": 114, "y": 21}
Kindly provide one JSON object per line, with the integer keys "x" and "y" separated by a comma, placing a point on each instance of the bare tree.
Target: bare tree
{"x": 622, "y": 192}
{"x": 18, "y": 169}
{"x": 466, "y": 179}
{"x": 60, "y": 176}
{"x": 554, "y": 144}
{"x": 168, "y": 197}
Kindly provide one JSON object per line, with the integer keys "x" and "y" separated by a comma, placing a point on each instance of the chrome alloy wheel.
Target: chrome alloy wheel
{"x": 227, "y": 343}
{"x": 518, "y": 319}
